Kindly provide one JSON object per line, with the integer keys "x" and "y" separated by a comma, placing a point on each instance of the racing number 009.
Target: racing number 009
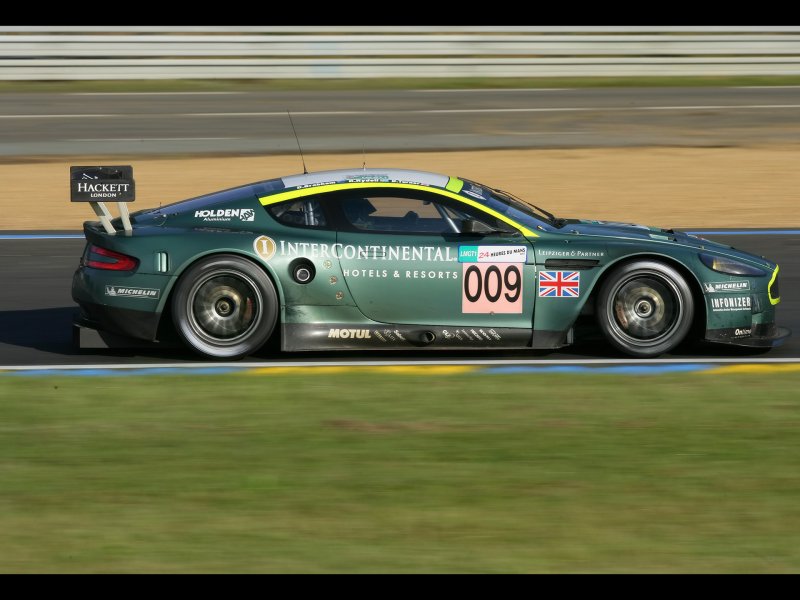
{"x": 492, "y": 288}
{"x": 485, "y": 283}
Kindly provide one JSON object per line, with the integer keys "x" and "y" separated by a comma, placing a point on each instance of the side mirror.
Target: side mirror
{"x": 471, "y": 226}
{"x": 476, "y": 227}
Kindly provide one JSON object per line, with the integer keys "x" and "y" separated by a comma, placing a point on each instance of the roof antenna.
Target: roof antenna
{"x": 364, "y": 154}
{"x": 305, "y": 171}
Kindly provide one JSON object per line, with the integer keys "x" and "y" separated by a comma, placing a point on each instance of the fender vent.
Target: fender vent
{"x": 575, "y": 264}
{"x": 162, "y": 262}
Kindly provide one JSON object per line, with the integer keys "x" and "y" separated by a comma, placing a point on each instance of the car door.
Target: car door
{"x": 406, "y": 260}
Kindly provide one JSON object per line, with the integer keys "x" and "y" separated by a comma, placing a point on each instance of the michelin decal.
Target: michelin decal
{"x": 712, "y": 287}
{"x": 120, "y": 291}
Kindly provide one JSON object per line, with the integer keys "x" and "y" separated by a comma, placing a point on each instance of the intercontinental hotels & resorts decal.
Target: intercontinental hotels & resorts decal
{"x": 266, "y": 248}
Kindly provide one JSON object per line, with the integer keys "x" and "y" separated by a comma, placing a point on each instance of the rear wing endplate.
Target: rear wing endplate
{"x": 98, "y": 185}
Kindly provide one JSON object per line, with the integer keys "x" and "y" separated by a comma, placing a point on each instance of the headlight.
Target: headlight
{"x": 730, "y": 266}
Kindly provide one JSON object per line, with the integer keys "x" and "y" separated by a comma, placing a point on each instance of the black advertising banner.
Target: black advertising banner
{"x": 102, "y": 184}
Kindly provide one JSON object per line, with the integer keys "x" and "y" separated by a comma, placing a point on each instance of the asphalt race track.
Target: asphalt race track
{"x": 393, "y": 120}
{"x": 36, "y": 313}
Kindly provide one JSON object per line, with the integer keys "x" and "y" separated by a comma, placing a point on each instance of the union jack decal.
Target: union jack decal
{"x": 559, "y": 284}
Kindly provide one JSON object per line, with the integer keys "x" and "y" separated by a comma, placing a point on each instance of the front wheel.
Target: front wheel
{"x": 645, "y": 308}
{"x": 225, "y": 307}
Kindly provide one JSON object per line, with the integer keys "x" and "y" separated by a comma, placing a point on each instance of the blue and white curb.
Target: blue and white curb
{"x": 420, "y": 368}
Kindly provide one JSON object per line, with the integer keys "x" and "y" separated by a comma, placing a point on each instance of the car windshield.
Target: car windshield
{"x": 509, "y": 205}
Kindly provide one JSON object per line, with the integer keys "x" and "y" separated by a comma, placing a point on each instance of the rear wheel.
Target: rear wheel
{"x": 645, "y": 308}
{"x": 225, "y": 307}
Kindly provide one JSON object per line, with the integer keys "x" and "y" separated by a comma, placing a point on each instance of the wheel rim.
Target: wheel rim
{"x": 224, "y": 307}
{"x": 645, "y": 309}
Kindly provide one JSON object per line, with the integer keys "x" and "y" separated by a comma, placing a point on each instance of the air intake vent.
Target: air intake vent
{"x": 162, "y": 262}
{"x": 575, "y": 264}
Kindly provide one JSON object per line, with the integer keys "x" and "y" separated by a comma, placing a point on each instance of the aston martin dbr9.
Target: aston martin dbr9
{"x": 384, "y": 259}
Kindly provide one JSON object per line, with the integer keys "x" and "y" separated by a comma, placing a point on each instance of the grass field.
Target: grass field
{"x": 366, "y": 472}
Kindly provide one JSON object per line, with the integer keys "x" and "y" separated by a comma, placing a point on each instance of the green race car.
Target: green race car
{"x": 398, "y": 259}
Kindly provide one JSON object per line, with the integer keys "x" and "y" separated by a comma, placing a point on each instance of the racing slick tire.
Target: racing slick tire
{"x": 645, "y": 308}
{"x": 225, "y": 307}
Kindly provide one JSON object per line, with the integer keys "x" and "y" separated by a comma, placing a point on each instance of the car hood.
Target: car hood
{"x": 633, "y": 231}
{"x": 610, "y": 228}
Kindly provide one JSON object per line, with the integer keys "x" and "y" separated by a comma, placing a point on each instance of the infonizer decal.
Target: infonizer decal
{"x": 730, "y": 303}
{"x": 492, "y": 254}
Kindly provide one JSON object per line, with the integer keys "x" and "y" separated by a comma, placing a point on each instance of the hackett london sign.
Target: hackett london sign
{"x": 100, "y": 184}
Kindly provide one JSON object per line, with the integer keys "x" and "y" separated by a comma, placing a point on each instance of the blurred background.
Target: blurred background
{"x": 681, "y": 125}
{"x": 411, "y": 468}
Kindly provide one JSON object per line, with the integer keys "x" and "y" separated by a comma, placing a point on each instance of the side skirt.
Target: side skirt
{"x": 378, "y": 336}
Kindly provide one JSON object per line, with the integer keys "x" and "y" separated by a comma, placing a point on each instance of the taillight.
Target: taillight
{"x": 103, "y": 258}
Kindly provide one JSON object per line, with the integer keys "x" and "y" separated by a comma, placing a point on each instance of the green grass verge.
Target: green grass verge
{"x": 375, "y": 472}
{"x": 189, "y": 85}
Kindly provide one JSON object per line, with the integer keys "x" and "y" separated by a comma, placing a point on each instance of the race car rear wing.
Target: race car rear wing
{"x": 98, "y": 185}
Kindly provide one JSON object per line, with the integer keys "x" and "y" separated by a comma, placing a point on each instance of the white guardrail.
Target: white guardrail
{"x": 263, "y": 52}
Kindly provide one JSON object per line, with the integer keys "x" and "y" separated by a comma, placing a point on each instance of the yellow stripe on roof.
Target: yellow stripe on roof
{"x": 335, "y": 187}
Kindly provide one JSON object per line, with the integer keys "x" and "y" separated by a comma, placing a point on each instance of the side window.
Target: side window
{"x": 425, "y": 214}
{"x": 305, "y": 212}
{"x": 406, "y": 215}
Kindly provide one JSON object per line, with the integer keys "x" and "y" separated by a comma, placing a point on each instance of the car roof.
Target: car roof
{"x": 366, "y": 175}
{"x": 309, "y": 183}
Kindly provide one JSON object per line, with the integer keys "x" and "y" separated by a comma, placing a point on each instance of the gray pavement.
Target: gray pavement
{"x": 127, "y": 124}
